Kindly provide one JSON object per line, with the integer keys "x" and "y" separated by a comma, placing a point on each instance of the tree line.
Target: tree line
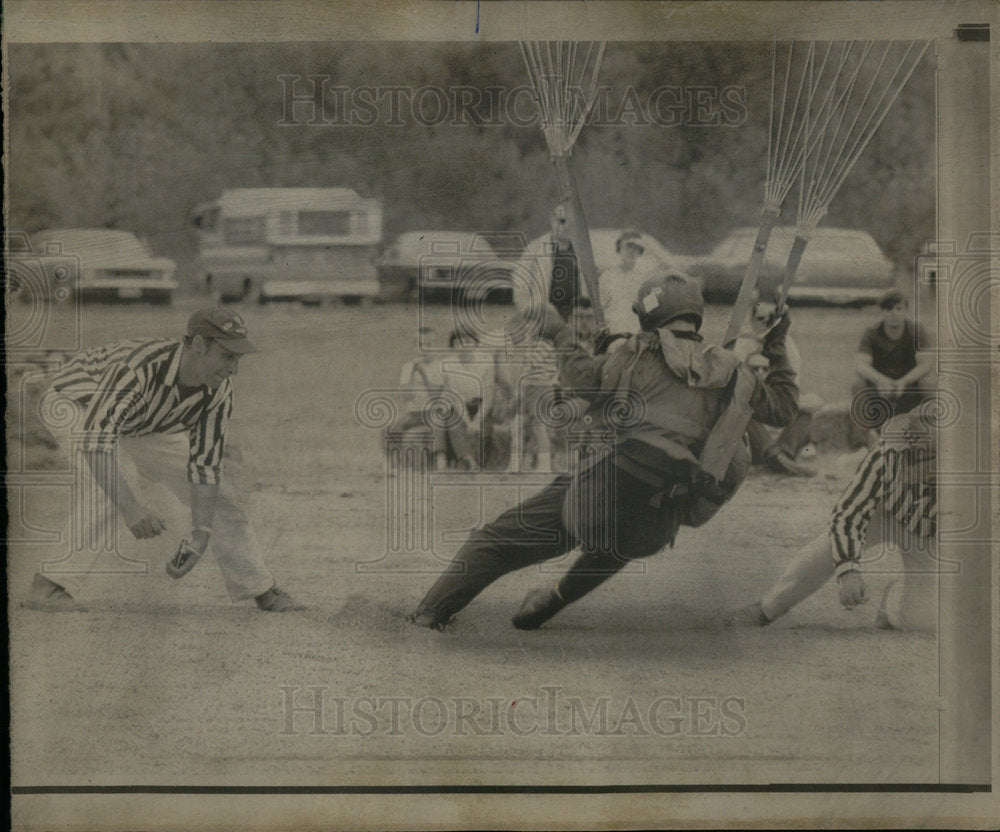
{"x": 134, "y": 135}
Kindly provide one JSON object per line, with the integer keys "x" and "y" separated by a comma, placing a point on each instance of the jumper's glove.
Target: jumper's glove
{"x": 604, "y": 338}
{"x": 775, "y": 320}
{"x": 773, "y": 346}
{"x": 184, "y": 561}
{"x": 852, "y": 589}
{"x": 550, "y": 322}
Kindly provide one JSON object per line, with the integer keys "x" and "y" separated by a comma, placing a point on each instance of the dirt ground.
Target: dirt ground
{"x": 168, "y": 682}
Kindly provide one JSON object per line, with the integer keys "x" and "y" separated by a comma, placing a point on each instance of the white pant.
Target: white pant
{"x": 100, "y": 544}
{"x": 814, "y": 566}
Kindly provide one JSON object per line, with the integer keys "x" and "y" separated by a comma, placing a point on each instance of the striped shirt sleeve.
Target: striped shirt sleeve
{"x": 113, "y": 401}
{"x": 853, "y": 512}
{"x": 207, "y": 442}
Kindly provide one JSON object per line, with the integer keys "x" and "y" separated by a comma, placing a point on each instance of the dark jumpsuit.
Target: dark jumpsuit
{"x": 627, "y": 503}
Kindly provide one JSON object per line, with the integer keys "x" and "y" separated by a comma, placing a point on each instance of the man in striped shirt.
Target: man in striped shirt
{"x": 892, "y": 503}
{"x": 140, "y": 401}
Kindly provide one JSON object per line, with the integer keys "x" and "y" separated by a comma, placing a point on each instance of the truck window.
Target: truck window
{"x": 325, "y": 223}
{"x": 207, "y": 219}
{"x": 243, "y": 231}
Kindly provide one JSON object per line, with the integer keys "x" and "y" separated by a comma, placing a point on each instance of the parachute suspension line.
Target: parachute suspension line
{"x": 839, "y": 140}
{"x": 832, "y": 179}
{"x": 825, "y": 108}
{"x": 565, "y": 88}
{"x": 564, "y": 78}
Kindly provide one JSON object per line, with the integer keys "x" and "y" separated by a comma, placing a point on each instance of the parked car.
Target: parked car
{"x": 443, "y": 264}
{"x": 536, "y": 260}
{"x": 839, "y": 266}
{"x": 98, "y": 263}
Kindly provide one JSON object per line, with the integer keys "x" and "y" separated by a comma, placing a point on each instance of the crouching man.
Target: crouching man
{"x": 653, "y": 404}
{"x": 890, "y": 502}
{"x": 163, "y": 405}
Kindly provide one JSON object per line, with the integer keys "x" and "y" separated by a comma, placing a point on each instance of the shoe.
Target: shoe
{"x": 428, "y": 619}
{"x": 807, "y": 452}
{"x": 751, "y": 615}
{"x": 277, "y": 600}
{"x": 882, "y": 621}
{"x": 48, "y": 596}
{"x": 784, "y": 464}
{"x": 538, "y": 606}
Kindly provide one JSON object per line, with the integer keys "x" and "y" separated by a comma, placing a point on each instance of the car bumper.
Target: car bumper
{"x": 837, "y": 296}
{"x": 127, "y": 289}
{"x": 276, "y": 289}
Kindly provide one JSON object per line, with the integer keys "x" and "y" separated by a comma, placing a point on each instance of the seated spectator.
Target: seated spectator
{"x": 528, "y": 372}
{"x": 779, "y": 450}
{"x": 471, "y": 377}
{"x": 894, "y": 365}
{"x": 420, "y": 380}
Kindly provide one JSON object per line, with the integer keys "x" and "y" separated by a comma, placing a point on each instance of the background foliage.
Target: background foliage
{"x": 134, "y": 135}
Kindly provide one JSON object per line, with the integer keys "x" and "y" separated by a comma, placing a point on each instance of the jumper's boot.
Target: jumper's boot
{"x": 538, "y": 606}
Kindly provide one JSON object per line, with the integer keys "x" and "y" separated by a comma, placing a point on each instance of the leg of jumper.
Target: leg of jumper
{"x": 638, "y": 529}
{"x": 811, "y": 568}
{"x": 163, "y": 459}
{"x": 529, "y": 533}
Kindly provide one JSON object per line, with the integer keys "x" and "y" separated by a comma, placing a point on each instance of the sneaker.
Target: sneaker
{"x": 277, "y": 600}
{"x": 538, "y": 606}
{"x": 882, "y": 621}
{"x": 784, "y": 464}
{"x": 48, "y": 596}
{"x": 428, "y": 619}
{"x": 751, "y": 615}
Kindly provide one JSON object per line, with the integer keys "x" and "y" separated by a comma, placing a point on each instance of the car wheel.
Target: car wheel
{"x": 161, "y": 298}
{"x": 214, "y": 295}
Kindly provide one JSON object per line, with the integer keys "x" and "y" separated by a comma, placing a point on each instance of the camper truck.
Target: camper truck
{"x": 308, "y": 244}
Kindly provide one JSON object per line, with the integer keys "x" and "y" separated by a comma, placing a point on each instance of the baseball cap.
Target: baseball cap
{"x": 223, "y": 326}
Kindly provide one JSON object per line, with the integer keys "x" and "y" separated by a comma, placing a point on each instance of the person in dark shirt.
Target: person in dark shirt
{"x": 894, "y": 366}
{"x": 564, "y": 286}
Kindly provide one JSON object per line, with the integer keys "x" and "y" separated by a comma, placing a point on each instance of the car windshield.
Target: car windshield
{"x": 825, "y": 242}
{"x": 120, "y": 244}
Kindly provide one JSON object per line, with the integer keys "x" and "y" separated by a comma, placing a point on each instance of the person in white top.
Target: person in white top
{"x": 620, "y": 284}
